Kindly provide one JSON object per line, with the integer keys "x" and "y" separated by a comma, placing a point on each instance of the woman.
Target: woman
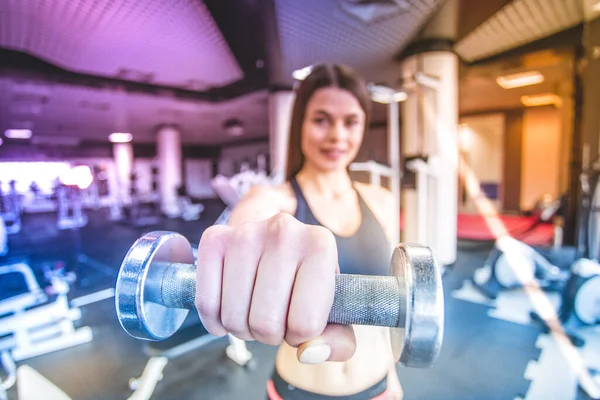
{"x": 269, "y": 275}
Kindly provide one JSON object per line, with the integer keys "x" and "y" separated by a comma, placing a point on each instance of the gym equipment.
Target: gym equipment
{"x": 231, "y": 190}
{"x": 580, "y": 300}
{"x": 71, "y": 217}
{"x": 11, "y": 370}
{"x": 38, "y": 322}
{"x": 191, "y": 337}
{"x": 144, "y": 210}
{"x": 548, "y": 266}
{"x": 189, "y": 210}
{"x": 70, "y": 210}
{"x": 10, "y": 208}
{"x": 156, "y": 288}
{"x": 3, "y": 238}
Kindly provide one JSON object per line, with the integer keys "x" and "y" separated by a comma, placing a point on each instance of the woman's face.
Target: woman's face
{"x": 333, "y": 129}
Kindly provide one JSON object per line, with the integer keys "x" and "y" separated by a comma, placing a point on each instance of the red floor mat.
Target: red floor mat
{"x": 474, "y": 227}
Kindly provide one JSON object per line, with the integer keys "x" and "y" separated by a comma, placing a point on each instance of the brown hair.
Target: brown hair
{"x": 321, "y": 76}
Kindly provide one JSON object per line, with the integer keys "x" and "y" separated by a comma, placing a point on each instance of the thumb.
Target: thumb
{"x": 336, "y": 343}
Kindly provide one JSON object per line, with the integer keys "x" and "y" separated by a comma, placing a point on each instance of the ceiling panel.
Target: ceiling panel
{"x": 364, "y": 34}
{"x": 556, "y": 67}
{"x": 62, "y": 112}
{"x": 173, "y": 43}
{"x": 518, "y": 23}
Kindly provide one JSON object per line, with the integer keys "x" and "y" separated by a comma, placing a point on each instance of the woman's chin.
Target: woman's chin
{"x": 333, "y": 166}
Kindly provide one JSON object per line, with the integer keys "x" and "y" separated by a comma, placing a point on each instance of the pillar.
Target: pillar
{"x": 170, "y": 165}
{"x": 585, "y": 147}
{"x": 280, "y": 116}
{"x": 123, "y": 158}
{"x": 429, "y": 130}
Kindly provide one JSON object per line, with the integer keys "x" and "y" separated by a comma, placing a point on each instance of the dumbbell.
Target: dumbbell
{"x": 156, "y": 288}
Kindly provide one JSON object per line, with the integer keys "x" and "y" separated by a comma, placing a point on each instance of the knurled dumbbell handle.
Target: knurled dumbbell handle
{"x": 358, "y": 300}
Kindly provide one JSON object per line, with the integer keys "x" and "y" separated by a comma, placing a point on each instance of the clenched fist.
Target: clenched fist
{"x": 272, "y": 281}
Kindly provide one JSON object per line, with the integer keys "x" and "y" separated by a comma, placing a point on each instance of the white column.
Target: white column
{"x": 394, "y": 157}
{"x": 123, "y": 157}
{"x": 169, "y": 157}
{"x": 280, "y": 115}
{"x": 430, "y": 125}
{"x": 410, "y": 147}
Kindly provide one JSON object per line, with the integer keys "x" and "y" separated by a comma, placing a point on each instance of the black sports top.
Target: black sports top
{"x": 367, "y": 252}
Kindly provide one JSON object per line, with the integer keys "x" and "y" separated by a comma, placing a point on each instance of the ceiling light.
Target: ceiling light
{"x": 234, "y": 127}
{"x": 545, "y": 99}
{"x": 386, "y": 95}
{"x": 18, "y": 133}
{"x": 400, "y": 96}
{"x": 302, "y": 73}
{"x": 519, "y": 80}
{"x": 120, "y": 137}
{"x": 596, "y": 6}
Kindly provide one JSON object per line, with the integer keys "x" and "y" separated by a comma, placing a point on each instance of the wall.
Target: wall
{"x": 482, "y": 142}
{"x": 233, "y": 156}
{"x": 197, "y": 174}
{"x": 541, "y": 155}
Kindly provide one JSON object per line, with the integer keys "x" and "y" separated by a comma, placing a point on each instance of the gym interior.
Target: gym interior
{"x": 123, "y": 118}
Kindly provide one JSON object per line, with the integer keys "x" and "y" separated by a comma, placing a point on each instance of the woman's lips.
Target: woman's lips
{"x": 333, "y": 154}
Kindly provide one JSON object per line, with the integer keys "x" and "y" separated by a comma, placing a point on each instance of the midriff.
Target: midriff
{"x": 369, "y": 365}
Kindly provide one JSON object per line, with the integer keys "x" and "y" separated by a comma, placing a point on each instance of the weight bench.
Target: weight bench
{"x": 192, "y": 337}
{"x": 34, "y": 322}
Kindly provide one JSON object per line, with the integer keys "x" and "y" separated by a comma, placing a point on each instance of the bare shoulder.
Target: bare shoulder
{"x": 262, "y": 202}
{"x": 376, "y": 195}
{"x": 273, "y": 194}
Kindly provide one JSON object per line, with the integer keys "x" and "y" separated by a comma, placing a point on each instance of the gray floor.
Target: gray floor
{"x": 482, "y": 357}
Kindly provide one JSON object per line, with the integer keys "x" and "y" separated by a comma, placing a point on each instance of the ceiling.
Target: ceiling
{"x": 170, "y": 43}
{"x": 77, "y": 70}
{"x": 520, "y": 22}
{"x": 65, "y": 114}
{"x": 555, "y": 65}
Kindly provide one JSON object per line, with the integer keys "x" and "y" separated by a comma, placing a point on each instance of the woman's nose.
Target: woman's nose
{"x": 338, "y": 131}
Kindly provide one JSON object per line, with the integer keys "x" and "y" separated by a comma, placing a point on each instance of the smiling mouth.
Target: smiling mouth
{"x": 333, "y": 154}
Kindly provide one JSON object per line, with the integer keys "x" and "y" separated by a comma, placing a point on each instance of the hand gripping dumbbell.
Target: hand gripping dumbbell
{"x": 156, "y": 289}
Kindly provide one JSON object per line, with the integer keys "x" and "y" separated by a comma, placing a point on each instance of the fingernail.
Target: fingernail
{"x": 315, "y": 354}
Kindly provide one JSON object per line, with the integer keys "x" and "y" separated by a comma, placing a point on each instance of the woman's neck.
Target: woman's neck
{"x": 328, "y": 184}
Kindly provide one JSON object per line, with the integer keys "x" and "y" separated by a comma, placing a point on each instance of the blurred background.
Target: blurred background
{"x": 120, "y": 117}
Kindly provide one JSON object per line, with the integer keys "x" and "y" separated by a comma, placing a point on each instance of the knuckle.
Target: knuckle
{"x": 246, "y": 232}
{"x": 230, "y": 321}
{"x": 206, "y": 307}
{"x": 267, "y": 330}
{"x": 306, "y": 329}
{"x": 322, "y": 240}
{"x": 282, "y": 226}
{"x": 212, "y": 236}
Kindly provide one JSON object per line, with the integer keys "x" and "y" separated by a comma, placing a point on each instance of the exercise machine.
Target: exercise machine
{"x": 69, "y": 207}
{"x": 512, "y": 263}
{"x": 10, "y": 208}
{"x": 3, "y": 238}
{"x": 231, "y": 189}
{"x": 191, "y": 337}
{"x": 189, "y": 210}
{"x": 71, "y": 217}
{"x": 7, "y": 363}
{"x": 143, "y": 210}
{"x": 37, "y": 321}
